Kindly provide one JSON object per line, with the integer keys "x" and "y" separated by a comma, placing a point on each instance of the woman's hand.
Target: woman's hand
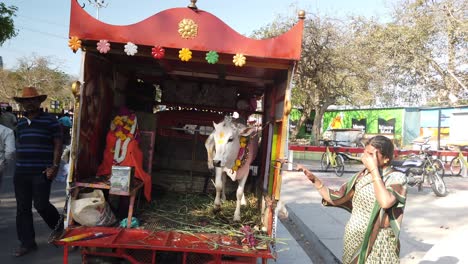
{"x": 300, "y": 167}
{"x": 370, "y": 161}
{"x": 307, "y": 173}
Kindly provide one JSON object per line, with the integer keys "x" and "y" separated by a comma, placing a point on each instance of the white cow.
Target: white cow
{"x": 228, "y": 144}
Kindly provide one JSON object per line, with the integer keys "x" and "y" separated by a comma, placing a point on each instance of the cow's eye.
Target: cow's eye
{"x": 230, "y": 139}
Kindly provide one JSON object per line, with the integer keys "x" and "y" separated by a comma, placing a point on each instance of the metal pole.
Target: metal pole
{"x": 290, "y": 159}
{"x": 438, "y": 130}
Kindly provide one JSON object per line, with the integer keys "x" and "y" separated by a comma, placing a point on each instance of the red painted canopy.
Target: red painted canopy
{"x": 163, "y": 29}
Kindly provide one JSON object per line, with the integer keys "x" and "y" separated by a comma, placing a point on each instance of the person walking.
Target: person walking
{"x": 8, "y": 119}
{"x": 376, "y": 198}
{"x": 7, "y": 149}
{"x": 39, "y": 147}
{"x": 66, "y": 124}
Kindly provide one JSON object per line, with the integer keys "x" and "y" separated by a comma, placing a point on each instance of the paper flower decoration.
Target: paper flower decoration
{"x": 158, "y": 52}
{"x": 74, "y": 43}
{"x": 239, "y": 60}
{"x": 131, "y": 49}
{"x": 103, "y": 46}
{"x": 212, "y": 57}
{"x": 185, "y": 54}
{"x": 187, "y": 28}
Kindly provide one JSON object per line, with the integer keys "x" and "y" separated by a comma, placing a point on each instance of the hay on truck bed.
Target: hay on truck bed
{"x": 192, "y": 213}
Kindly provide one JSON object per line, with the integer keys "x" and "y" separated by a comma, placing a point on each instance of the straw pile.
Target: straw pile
{"x": 193, "y": 213}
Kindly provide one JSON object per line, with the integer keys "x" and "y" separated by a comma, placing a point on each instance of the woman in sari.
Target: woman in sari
{"x": 376, "y": 198}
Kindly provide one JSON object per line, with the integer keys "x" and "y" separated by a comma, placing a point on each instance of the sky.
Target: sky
{"x": 43, "y": 24}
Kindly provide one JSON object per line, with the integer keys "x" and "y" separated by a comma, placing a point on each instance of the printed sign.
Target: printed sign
{"x": 386, "y": 126}
{"x": 308, "y": 125}
{"x": 359, "y": 123}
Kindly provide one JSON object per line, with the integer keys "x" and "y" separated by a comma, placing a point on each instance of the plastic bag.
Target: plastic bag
{"x": 91, "y": 209}
{"x": 62, "y": 173}
{"x": 64, "y": 167}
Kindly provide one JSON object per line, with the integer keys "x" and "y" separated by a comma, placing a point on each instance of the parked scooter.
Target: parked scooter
{"x": 420, "y": 168}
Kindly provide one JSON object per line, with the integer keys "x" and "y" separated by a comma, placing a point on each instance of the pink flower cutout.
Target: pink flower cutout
{"x": 158, "y": 52}
{"x": 103, "y": 46}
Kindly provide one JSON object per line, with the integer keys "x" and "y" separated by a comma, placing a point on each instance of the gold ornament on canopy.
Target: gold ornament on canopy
{"x": 188, "y": 28}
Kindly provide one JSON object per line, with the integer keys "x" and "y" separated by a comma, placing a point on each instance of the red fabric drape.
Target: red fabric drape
{"x": 134, "y": 158}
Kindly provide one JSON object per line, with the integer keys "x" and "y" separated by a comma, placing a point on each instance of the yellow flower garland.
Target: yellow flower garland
{"x": 242, "y": 154}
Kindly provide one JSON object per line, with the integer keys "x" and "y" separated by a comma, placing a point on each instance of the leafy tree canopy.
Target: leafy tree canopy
{"x": 7, "y": 27}
{"x": 38, "y": 71}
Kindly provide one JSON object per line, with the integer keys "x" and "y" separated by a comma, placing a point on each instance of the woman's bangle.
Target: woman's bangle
{"x": 373, "y": 169}
{"x": 320, "y": 187}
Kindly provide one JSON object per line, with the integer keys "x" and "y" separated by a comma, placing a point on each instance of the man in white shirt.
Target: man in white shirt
{"x": 7, "y": 149}
{"x": 8, "y": 119}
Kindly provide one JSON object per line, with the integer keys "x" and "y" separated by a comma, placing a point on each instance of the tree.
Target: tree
{"x": 40, "y": 72}
{"x": 424, "y": 49}
{"x": 7, "y": 27}
{"x": 335, "y": 67}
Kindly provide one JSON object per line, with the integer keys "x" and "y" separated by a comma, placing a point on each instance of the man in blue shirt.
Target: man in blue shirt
{"x": 66, "y": 124}
{"x": 39, "y": 138}
{"x": 65, "y": 120}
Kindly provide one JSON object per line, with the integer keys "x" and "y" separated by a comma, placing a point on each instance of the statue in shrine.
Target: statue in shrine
{"x": 122, "y": 148}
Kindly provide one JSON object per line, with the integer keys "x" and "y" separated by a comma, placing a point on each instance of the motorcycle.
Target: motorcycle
{"x": 421, "y": 168}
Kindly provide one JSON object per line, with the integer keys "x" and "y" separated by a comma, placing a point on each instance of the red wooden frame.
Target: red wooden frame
{"x": 122, "y": 241}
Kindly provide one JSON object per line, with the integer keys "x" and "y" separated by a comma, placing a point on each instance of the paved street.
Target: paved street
{"x": 430, "y": 224}
{"x": 46, "y": 253}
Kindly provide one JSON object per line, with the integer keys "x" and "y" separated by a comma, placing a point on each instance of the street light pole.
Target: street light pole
{"x": 98, "y": 4}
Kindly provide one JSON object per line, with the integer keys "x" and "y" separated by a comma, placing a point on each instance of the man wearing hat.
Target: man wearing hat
{"x": 39, "y": 148}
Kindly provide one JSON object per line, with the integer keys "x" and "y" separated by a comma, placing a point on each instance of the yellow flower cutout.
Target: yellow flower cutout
{"x": 239, "y": 60}
{"x": 185, "y": 54}
{"x": 187, "y": 28}
{"x": 74, "y": 43}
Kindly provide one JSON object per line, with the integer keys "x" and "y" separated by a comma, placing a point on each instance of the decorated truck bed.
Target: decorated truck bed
{"x": 151, "y": 107}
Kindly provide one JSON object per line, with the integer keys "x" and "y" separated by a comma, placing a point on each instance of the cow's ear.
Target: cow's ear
{"x": 215, "y": 125}
{"x": 247, "y": 131}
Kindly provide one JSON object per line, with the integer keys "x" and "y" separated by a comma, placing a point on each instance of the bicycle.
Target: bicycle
{"x": 458, "y": 163}
{"x": 332, "y": 158}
